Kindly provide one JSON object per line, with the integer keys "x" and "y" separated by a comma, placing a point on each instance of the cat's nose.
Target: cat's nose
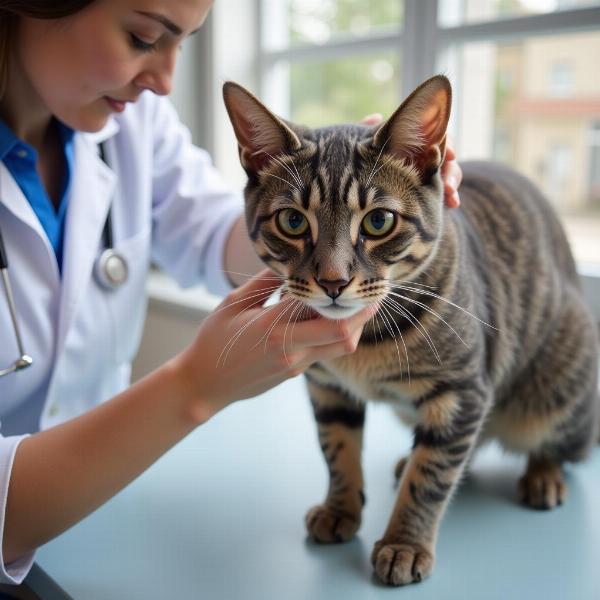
{"x": 333, "y": 288}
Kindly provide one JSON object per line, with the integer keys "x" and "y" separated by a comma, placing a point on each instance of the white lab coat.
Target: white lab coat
{"x": 169, "y": 204}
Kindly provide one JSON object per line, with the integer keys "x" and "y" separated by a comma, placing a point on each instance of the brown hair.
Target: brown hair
{"x": 12, "y": 10}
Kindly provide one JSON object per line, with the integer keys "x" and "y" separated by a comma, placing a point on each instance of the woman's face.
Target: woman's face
{"x": 89, "y": 65}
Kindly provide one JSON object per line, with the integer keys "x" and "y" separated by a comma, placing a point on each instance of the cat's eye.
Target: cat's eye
{"x": 292, "y": 222}
{"x": 377, "y": 223}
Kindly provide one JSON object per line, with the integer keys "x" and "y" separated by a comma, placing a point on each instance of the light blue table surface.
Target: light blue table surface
{"x": 220, "y": 517}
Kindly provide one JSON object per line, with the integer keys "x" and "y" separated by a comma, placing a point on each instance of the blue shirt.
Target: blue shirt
{"x": 21, "y": 159}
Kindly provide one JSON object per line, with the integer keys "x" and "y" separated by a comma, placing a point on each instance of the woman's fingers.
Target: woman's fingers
{"x": 372, "y": 119}
{"x": 452, "y": 176}
{"x": 450, "y": 151}
{"x": 332, "y": 351}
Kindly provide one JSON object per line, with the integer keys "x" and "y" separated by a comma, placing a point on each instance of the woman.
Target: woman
{"x": 84, "y": 132}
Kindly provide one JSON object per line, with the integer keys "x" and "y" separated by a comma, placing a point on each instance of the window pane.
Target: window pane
{"x": 338, "y": 91}
{"x": 534, "y": 105}
{"x": 457, "y": 12}
{"x": 292, "y": 22}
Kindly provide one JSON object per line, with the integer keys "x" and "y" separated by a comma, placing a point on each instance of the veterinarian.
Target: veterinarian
{"x": 97, "y": 178}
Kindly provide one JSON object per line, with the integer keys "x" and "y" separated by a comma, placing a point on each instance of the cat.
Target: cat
{"x": 482, "y": 331}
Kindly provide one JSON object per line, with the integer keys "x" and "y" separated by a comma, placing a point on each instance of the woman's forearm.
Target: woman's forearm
{"x": 62, "y": 474}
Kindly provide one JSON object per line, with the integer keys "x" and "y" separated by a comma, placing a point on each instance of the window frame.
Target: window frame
{"x": 421, "y": 32}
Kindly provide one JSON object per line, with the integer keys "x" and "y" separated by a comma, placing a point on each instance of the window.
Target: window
{"x": 556, "y": 170}
{"x": 334, "y": 91}
{"x": 295, "y": 22}
{"x": 561, "y": 79}
{"x": 524, "y": 76}
{"x": 327, "y": 61}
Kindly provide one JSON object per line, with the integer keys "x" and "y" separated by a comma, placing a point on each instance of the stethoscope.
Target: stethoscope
{"x": 111, "y": 271}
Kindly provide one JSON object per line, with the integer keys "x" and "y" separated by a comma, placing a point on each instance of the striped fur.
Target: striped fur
{"x": 482, "y": 330}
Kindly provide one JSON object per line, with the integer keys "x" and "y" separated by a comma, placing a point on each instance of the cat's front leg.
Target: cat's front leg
{"x": 340, "y": 421}
{"x": 449, "y": 423}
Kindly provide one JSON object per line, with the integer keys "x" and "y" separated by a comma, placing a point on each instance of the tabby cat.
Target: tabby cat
{"x": 481, "y": 332}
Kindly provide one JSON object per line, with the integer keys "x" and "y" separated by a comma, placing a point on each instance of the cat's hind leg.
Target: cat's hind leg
{"x": 340, "y": 422}
{"x": 542, "y": 485}
{"x": 552, "y": 413}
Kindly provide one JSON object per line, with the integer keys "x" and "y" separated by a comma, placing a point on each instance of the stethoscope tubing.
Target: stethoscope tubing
{"x": 24, "y": 360}
{"x": 11, "y": 307}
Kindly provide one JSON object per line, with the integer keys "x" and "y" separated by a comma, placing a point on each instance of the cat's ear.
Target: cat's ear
{"x": 416, "y": 132}
{"x": 261, "y": 135}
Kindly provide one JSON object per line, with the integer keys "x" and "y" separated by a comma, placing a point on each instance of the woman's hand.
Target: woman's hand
{"x": 451, "y": 171}
{"x": 451, "y": 176}
{"x": 244, "y": 348}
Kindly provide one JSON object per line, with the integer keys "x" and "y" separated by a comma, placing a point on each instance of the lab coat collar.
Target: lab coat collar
{"x": 12, "y": 197}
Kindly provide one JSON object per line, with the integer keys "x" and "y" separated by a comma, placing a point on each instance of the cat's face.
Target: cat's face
{"x": 342, "y": 213}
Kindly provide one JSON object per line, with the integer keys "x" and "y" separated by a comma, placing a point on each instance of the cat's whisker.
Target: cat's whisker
{"x": 251, "y": 275}
{"x": 229, "y": 345}
{"x": 239, "y": 333}
{"x": 279, "y": 318}
{"x": 374, "y": 321}
{"x": 259, "y": 302}
{"x": 431, "y": 311}
{"x": 403, "y": 343}
{"x": 405, "y": 281}
{"x": 434, "y": 295}
{"x": 294, "y": 311}
{"x": 267, "y": 333}
{"x": 379, "y": 328}
{"x": 236, "y": 336}
{"x": 296, "y": 175}
{"x": 389, "y": 160}
{"x": 280, "y": 162}
{"x": 388, "y": 327}
{"x": 304, "y": 309}
{"x": 265, "y": 336}
{"x": 294, "y": 187}
{"x": 377, "y": 160}
{"x": 401, "y": 310}
{"x": 265, "y": 294}
{"x": 297, "y": 172}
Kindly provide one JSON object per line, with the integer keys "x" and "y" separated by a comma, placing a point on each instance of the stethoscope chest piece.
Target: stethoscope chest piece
{"x": 111, "y": 270}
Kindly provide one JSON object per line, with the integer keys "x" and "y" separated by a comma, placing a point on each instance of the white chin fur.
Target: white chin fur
{"x": 336, "y": 313}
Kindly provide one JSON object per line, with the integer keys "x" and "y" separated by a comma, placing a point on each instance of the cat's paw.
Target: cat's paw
{"x": 543, "y": 486}
{"x": 329, "y": 525}
{"x": 401, "y": 563}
